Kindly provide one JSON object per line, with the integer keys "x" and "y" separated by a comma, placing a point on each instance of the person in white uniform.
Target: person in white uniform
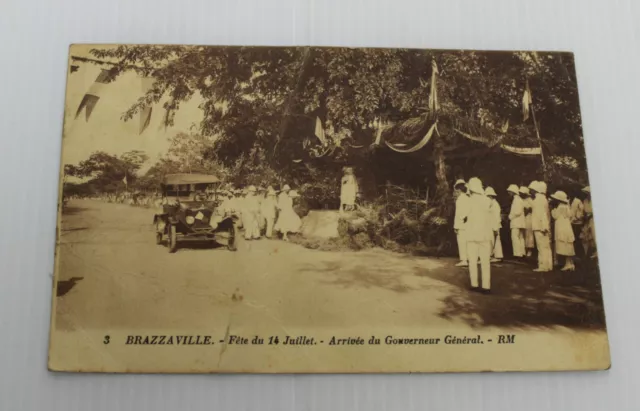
{"x": 517, "y": 222}
{"x": 459, "y": 220}
{"x": 541, "y": 224}
{"x": 496, "y": 225}
{"x": 250, "y": 215}
{"x": 268, "y": 211}
{"x": 529, "y": 238}
{"x": 479, "y": 233}
{"x": 288, "y": 221}
{"x": 563, "y": 232}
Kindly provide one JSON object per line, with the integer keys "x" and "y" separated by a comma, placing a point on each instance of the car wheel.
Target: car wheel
{"x": 232, "y": 245}
{"x": 173, "y": 239}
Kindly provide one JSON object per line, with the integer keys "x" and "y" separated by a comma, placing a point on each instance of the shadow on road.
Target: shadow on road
{"x": 194, "y": 245}
{"x": 70, "y": 210}
{"x": 65, "y": 286}
{"x": 521, "y": 297}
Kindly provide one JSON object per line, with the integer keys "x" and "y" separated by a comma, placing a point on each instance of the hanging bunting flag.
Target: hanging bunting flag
{"x": 527, "y": 151}
{"x": 92, "y": 96}
{"x": 470, "y": 137}
{"x": 320, "y": 132}
{"x": 433, "y": 97}
{"x": 421, "y": 143}
{"x": 505, "y": 127}
{"x": 379, "y": 128}
{"x": 145, "y": 113}
{"x": 526, "y": 102}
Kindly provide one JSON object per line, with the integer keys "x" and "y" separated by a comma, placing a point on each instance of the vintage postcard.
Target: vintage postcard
{"x": 324, "y": 210}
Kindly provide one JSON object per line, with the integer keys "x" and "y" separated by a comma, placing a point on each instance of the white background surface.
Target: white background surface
{"x": 34, "y": 37}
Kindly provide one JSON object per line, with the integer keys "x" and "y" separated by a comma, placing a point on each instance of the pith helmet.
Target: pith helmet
{"x": 475, "y": 185}
{"x": 513, "y": 189}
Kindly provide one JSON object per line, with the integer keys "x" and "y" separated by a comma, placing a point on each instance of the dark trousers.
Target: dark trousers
{"x": 577, "y": 230}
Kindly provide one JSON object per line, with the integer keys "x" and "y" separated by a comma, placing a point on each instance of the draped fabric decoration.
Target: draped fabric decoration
{"x": 92, "y": 96}
{"x": 523, "y": 151}
{"x": 434, "y": 105}
{"x": 421, "y": 143}
{"x": 527, "y": 100}
{"x": 145, "y": 113}
{"x": 320, "y": 132}
{"x": 473, "y": 138}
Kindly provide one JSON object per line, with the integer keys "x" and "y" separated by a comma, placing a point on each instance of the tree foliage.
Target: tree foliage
{"x": 105, "y": 173}
{"x": 268, "y": 98}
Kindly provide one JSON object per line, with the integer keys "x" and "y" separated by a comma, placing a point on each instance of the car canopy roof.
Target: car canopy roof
{"x": 184, "y": 178}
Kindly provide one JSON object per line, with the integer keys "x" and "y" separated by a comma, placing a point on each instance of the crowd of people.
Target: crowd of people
{"x": 478, "y": 221}
{"x": 262, "y": 212}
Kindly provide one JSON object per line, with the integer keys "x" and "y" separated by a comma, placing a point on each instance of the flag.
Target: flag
{"x": 526, "y": 102}
{"x": 124, "y": 180}
{"x": 320, "y": 132}
{"x": 433, "y": 97}
{"x": 92, "y": 96}
{"x": 378, "y": 132}
{"x": 505, "y": 127}
{"x": 145, "y": 113}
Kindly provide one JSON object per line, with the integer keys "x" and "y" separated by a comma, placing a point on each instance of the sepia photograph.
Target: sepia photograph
{"x": 324, "y": 210}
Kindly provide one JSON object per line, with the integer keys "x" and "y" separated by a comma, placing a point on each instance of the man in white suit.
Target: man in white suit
{"x": 479, "y": 231}
{"x": 541, "y": 224}
{"x": 517, "y": 221}
{"x": 459, "y": 221}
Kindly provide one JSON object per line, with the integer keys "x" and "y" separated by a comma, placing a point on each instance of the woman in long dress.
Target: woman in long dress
{"x": 288, "y": 220}
{"x": 563, "y": 231}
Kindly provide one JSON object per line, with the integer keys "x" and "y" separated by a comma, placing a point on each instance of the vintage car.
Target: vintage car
{"x": 190, "y": 212}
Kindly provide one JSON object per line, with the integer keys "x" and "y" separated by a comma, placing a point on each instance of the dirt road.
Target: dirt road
{"x": 112, "y": 275}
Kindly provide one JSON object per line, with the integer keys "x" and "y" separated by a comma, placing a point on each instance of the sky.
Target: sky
{"x": 105, "y": 130}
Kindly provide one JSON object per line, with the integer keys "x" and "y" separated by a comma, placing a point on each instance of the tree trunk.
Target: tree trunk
{"x": 297, "y": 84}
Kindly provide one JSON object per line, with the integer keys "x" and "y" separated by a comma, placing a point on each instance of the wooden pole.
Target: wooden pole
{"x": 535, "y": 125}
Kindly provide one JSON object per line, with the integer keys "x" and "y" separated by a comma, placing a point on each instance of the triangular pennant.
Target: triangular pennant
{"x": 319, "y": 132}
{"x": 88, "y": 102}
{"x": 145, "y": 118}
{"x": 145, "y": 113}
{"x": 92, "y": 96}
{"x": 505, "y": 127}
{"x": 378, "y": 133}
{"x": 434, "y": 105}
{"x": 526, "y": 102}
